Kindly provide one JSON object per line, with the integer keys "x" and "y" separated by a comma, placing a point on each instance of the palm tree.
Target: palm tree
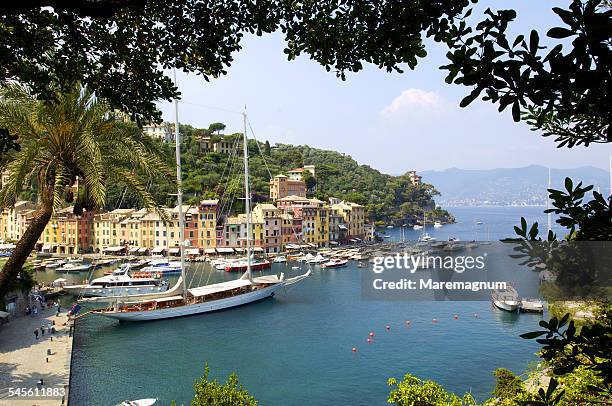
{"x": 75, "y": 135}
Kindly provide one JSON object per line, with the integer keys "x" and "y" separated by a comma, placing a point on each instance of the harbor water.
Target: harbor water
{"x": 295, "y": 348}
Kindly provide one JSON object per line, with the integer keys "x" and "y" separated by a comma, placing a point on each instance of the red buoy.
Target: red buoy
{"x": 434, "y": 320}
{"x": 455, "y": 317}
{"x": 354, "y": 349}
{"x": 369, "y": 341}
{"x": 371, "y": 334}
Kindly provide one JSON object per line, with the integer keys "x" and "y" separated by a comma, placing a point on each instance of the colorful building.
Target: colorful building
{"x": 281, "y": 186}
{"x": 354, "y": 218}
{"x": 270, "y": 216}
{"x": 208, "y": 211}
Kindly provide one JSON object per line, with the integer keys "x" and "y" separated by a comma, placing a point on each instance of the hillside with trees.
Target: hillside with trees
{"x": 388, "y": 199}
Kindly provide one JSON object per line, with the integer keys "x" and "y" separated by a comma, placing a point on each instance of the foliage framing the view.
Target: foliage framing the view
{"x": 210, "y": 392}
{"x": 562, "y": 94}
{"x": 106, "y": 45}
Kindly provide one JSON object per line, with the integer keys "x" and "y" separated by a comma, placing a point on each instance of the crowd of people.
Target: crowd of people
{"x": 38, "y": 304}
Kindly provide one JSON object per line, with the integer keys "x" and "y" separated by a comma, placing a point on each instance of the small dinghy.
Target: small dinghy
{"x": 138, "y": 402}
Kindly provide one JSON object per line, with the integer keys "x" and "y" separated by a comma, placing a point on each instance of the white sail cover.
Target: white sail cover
{"x": 219, "y": 287}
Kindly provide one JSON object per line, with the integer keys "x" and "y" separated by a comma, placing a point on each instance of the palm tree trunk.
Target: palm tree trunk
{"x": 24, "y": 247}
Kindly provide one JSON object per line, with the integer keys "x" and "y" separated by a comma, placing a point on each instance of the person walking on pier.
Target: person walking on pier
{"x": 36, "y": 333}
{"x": 59, "y": 309}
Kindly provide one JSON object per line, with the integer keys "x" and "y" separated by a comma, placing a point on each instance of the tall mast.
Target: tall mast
{"x": 610, "y": 175}
{"x": 179, "y": 186}
{"x": 548, "y": 202}
{"x": 247, "y": 197}
{"x": 76, "y": 245}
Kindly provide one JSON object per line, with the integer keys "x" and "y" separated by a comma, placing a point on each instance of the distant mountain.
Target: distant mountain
{"x": 508, "y": 186}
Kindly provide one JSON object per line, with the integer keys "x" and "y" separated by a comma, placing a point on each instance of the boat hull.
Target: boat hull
{"x": 506, "y": 305}
{"x": 198, "y": 308}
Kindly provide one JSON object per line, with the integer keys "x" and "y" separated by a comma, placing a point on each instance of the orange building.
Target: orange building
{"x": 281, "y": 186}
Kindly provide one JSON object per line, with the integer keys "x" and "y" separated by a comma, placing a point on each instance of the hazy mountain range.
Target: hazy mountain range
{"x": 508, "y": 186}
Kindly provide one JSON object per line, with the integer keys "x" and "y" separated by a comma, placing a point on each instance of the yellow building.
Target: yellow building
{"x": 107, "y": 229}
{"x": 14, "y": 220}
{"x": 354, "y": 218}
{"x": 207, "y": 227}
{"x": 147, "y": 231}
{"x": 67, "y": 233}
{"x": 315, "y": 223}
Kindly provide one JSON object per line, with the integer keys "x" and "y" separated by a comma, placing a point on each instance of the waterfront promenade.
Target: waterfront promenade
{"x": 24, "y": 360}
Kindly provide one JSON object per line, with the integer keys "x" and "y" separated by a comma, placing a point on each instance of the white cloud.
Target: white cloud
{"x": 412, "y": 99}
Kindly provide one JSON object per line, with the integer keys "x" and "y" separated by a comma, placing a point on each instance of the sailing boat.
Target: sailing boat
{"x": 208, "y": 298}
{"x": 425, "y": 237}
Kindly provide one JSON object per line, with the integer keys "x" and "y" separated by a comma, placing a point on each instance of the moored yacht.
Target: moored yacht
{"x": 120, "y": 282}
{"x": 334, "y": 263}
{"x": 74, "y": 267}
{"x": 241, "y": 266}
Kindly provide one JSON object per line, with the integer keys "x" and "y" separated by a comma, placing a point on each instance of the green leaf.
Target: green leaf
{"x": 533, "y": 334}
{"x": 559, "y": 32}
{"x": 534, "y": 40}
{"x": 516, "y": 111}
{"x": 470, "y": 98}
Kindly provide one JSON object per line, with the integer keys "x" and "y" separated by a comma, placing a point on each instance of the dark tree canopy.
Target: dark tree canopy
{"x": 120, "y": 49}
{"x": 563, "y": 91}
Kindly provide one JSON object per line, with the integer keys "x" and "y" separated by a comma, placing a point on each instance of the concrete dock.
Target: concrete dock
{"x": 25, "y": 360}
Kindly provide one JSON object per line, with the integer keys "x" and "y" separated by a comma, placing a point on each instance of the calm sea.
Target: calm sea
{"x": 295, "y": 348}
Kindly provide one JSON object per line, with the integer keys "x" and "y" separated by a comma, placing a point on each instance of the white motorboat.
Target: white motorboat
{"x": 417, "y": 227}
{"x": 74, "y": 267}
{"x": 427, "y": 238}
{"x": 437, "y": 224}
{"x": 208, "y": 298}
{"x": 306, "y": 258}
{"x": 280, "y": 259}
{"x": 334, "y": 263}
{"x": 506, "y": 299}
{"x": 159, "y": 267}
{"x": 120, "y": 282}
{"x": 54, "y": 265}
{"x": 319, "y": 259}
{"x": 138, "y": 402}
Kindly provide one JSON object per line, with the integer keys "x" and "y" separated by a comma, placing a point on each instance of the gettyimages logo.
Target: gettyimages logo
{"x": 412, "y": 263}
{"x": 470, "y": 275}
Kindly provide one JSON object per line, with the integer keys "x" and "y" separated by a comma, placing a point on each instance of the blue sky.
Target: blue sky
{"x": 393, "y": 122}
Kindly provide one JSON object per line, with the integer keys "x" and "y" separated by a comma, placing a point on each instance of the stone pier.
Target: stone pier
{"x": 26, "y": 360}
